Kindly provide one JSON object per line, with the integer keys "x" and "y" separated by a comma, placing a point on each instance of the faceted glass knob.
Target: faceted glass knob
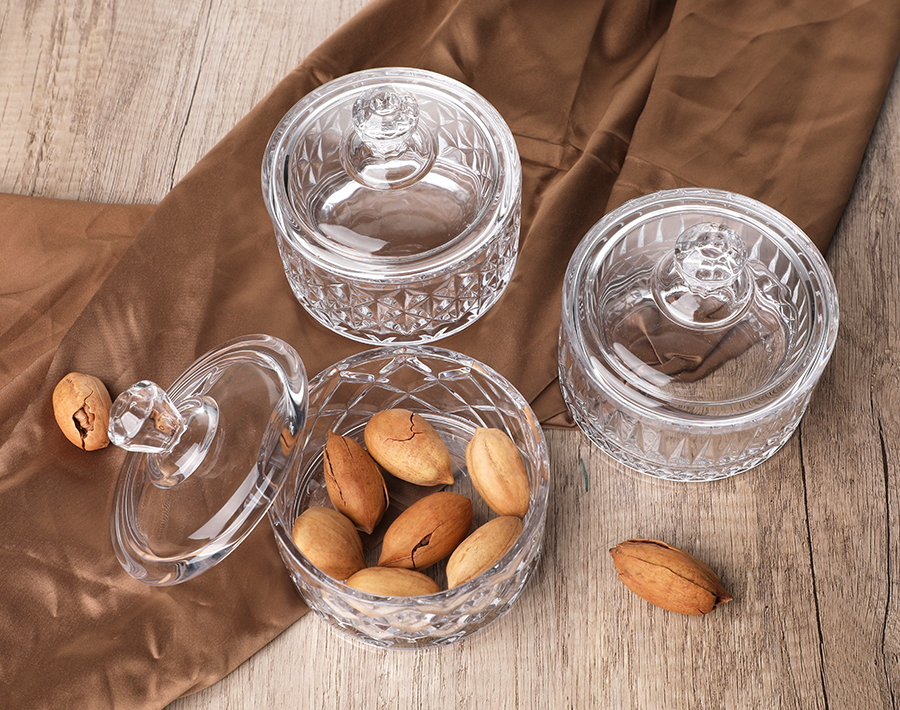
{"x": 387, "y": 148}
{"x": 143, "y": 419}
{"x": 709, "y": 257}
{"x": 706, "y": 281}
{"x": 385, "y": 117}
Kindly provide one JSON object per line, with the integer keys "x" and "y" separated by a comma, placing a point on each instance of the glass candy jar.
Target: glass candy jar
{"x": 395, "y": 195}
{"x": 240, "y": 436}
{"x": 455, "y": 394}
{"x": 695, "y": 325}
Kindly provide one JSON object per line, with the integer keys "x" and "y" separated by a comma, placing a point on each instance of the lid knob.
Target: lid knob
{"x": 387, "y": 148}
{"x": 143, "y": 419}
{"x": 709, "y": 257}
{"x": 385, "y": 117}
{"x": 704, "y": 283}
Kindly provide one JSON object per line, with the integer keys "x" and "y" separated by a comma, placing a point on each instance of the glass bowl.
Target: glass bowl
{"x": 455, "y": 394}
{"x": 395, "y": 195}
{"x": 695, "y": 325}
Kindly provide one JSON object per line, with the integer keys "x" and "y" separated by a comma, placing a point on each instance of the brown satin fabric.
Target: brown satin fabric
{"x": 607, "y": 101}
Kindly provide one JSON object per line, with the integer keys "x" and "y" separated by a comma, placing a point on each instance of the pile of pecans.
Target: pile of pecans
{"x": 433, "y": 528}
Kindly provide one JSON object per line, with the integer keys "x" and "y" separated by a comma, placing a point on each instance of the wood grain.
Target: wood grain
{"x": 87, "y": 86}
{"x": 851, "y": 443}
{"x": 808, "y": 543}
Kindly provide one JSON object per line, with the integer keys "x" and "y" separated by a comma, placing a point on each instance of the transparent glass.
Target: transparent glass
{"x": 456, "y": 394}
{"x": 395, "y": 195}
{"x": 695, "y": 325}
{"x": 206, "y": 458}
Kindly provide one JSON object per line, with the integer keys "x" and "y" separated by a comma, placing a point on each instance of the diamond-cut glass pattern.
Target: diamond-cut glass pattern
{"x": 410, "y": 310}
{"x": 456, "y": 394}
{"x": 680, "y": 453}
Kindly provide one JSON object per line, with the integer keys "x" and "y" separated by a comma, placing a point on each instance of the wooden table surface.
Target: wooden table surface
{"x": 808, "y": 543}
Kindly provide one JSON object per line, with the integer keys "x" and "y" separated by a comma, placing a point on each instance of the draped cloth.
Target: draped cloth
{"x": 607, "y": 100}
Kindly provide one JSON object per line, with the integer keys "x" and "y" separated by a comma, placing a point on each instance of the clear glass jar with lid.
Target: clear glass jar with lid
{"x": 240, "y": 436}
{"x": 695, "y": 325}
{"x": 395, "y": 195}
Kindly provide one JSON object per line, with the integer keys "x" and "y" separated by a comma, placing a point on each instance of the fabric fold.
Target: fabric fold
{"x": 767, "y": 100}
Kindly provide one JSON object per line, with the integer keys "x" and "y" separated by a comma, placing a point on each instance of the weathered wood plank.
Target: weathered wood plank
{"x": 87, "y": 86}
{"x": 851, "y": 437}
{"x": 90, "y": 85}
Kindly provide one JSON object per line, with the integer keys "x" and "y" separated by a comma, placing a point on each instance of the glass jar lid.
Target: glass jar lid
{"x": 390, "y": 172}
{"x": 206, "y": 458}
{"x": 700, "y": 304}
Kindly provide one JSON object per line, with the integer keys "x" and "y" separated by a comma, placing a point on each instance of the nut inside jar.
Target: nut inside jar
{"x": 423, "y": 525}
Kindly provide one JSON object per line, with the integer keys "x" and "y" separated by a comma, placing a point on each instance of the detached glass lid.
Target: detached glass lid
{"x": 206, "y": 458}
{"x": 388, "y": 171}
{"x": 701, "y": 303}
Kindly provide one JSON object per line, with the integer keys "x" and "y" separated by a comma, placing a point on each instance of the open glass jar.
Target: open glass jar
{"x": 455, "y": 394}
{"x": 695, "y": 325}
{"x": 395, "y": 195}
{"x": 240, "y": 435}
